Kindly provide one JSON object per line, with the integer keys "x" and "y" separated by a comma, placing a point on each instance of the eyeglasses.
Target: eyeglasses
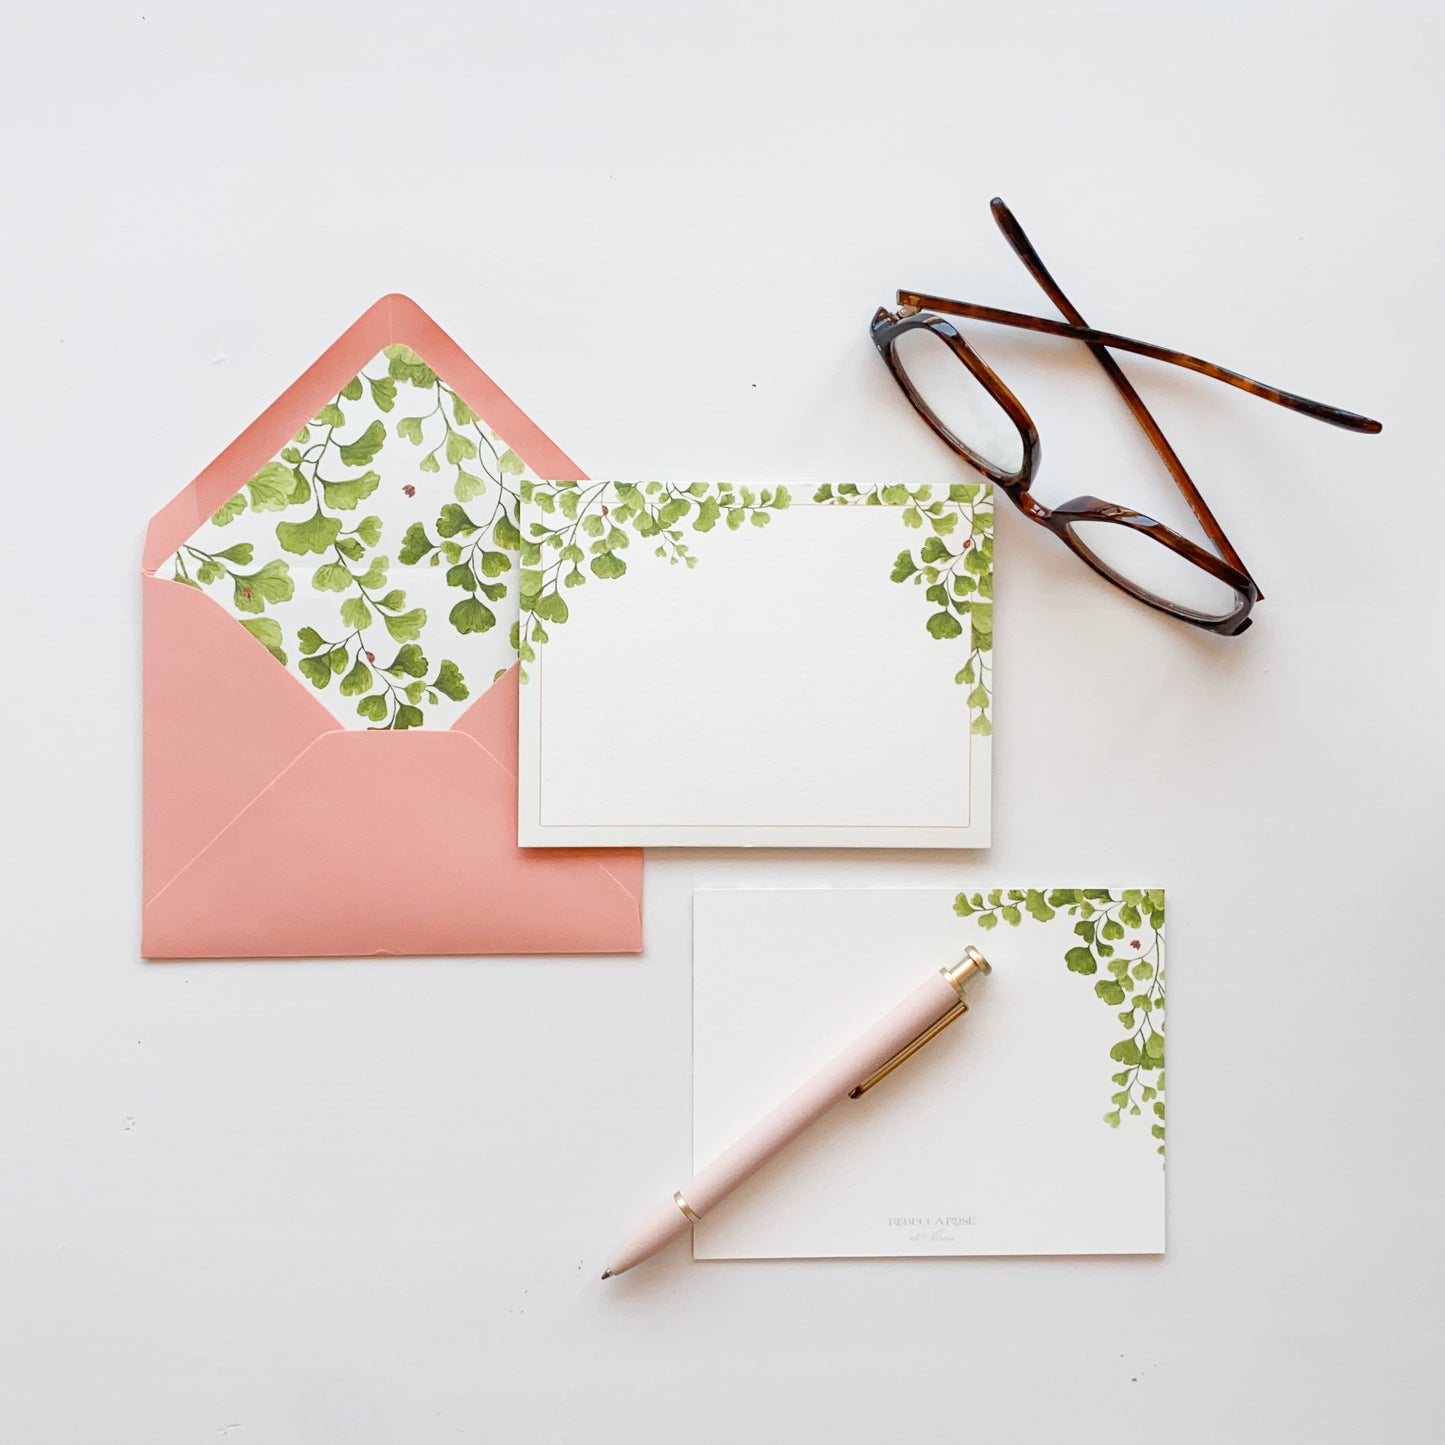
{"x": 982, "y": 420}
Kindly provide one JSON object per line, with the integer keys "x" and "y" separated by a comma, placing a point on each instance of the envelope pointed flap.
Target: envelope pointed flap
{"x": 411, "y": 326}
{"x": 368, "y": 524}
{"x": 392, "y": 320}
{"x": 222, "y": 720}
{"x": 384, "y": 843}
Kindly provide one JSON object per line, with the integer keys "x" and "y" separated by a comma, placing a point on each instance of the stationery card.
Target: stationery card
{"x": 331, "y": 620}
{"x": 1032, "y": 1125}
{"x": 712, "y": 664}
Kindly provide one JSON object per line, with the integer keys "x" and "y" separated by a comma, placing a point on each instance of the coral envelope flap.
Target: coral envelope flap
{"x": 271, "y": 832}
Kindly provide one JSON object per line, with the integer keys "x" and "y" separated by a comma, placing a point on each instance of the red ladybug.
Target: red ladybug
{"x": 371, "y": 657}
{"x": 967, "y": 544}
{"x": 1133, "y": 943}
{"x": 246, "y": 593}
{"x": 604, "y": 510}
{"x": 409, "y": 490}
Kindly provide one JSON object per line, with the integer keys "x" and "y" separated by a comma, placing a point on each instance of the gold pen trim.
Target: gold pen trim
{"x": 971, "y": 966}
{"x": 686, "y": 1208}
{"x": 959, "y": 975}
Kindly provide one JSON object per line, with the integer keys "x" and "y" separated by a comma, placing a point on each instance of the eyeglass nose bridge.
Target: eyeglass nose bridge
{"x": 1091, "y": 506}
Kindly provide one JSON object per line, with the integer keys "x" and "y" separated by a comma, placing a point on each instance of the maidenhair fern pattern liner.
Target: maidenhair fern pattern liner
{"x": 1121, "y": 945}
{"x": 308, "y": 553}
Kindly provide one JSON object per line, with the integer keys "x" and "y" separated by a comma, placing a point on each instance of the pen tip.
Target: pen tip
{"x": 606, "y": 1274}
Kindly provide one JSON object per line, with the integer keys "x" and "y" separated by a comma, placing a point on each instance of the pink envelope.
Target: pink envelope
{"x": 257, "y": 841}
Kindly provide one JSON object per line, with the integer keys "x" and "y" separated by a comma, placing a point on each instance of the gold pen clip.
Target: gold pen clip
{"x": 971, "y": 966}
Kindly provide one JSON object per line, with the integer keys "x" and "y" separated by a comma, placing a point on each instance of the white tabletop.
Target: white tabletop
{"x": 367, "y": 1202}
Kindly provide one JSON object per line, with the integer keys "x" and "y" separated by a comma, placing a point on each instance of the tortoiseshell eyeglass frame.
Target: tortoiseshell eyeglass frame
{"x": 915, "y": 312}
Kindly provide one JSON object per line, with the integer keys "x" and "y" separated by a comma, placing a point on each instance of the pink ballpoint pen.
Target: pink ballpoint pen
{"x": 922, "y": 1016}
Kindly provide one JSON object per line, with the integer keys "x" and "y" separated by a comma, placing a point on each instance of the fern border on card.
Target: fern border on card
{"x": 588, "y": 528}
{"x": 952, "y": 563}
{"x": 1120, "y": 939}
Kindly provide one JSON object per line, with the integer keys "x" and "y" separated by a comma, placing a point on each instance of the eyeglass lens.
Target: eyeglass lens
{"x": 958, "y": 399}
{"x": 1147, "y": 566}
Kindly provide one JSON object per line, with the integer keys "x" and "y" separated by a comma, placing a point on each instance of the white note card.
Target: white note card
{"x": 713, "y": 665}
{"x": 1033, "y": 1125}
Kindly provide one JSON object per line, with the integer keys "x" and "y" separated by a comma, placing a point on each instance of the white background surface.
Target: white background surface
{"x": 367, "y": 1202}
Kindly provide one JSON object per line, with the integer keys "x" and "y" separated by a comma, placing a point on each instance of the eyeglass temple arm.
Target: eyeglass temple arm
{"x": 1333, "y": 415}
{"x": 1023, "y": 248}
